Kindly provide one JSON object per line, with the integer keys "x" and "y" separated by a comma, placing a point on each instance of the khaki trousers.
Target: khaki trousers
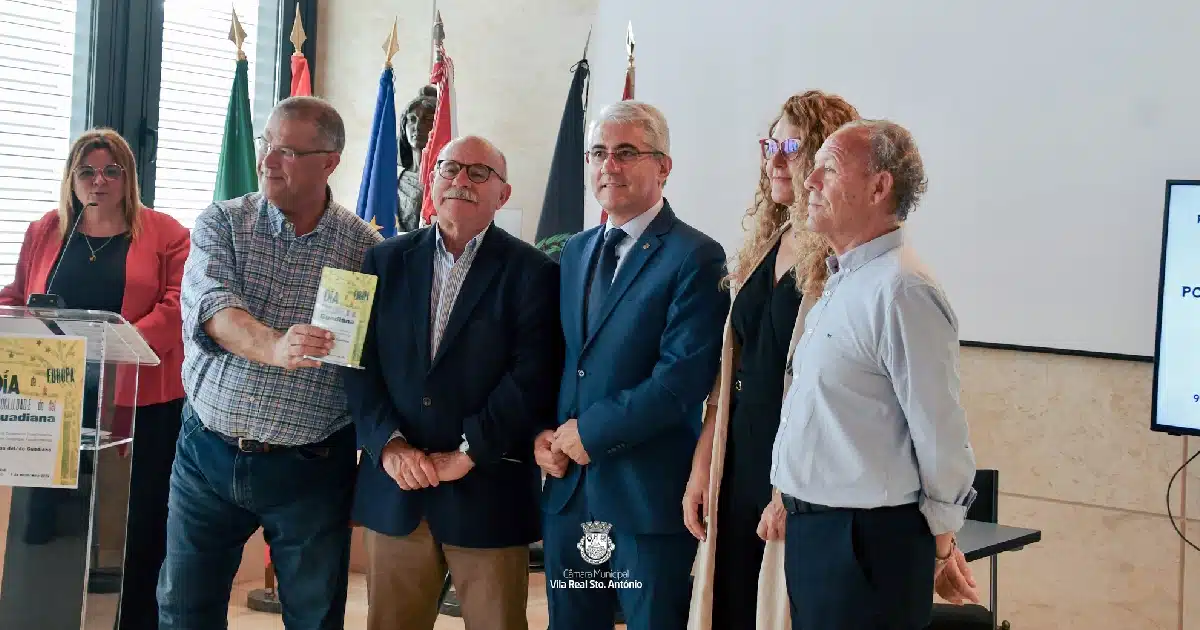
{"x": 405, "y": 576}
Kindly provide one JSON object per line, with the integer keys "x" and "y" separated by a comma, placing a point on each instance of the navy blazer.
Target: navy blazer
{"x": 495, "y": 378}
{"x": 637, "y": 385}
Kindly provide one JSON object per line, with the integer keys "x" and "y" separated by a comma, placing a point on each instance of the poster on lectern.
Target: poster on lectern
{"x": 41, "y": 409}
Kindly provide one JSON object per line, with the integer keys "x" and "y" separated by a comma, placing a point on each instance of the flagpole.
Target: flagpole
{"x": 586, "y": 44}
{"x": 433, "y": 35}
{"x": 301, "y": 79}
{"x": 630, "y": 71}
{"x": 237, "y": 35}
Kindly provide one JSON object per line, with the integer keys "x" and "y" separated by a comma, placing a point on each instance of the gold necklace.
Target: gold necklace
{"x": 96, "y": 250}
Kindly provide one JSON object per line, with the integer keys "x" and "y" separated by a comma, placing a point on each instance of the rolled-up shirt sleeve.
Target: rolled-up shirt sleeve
{"x": 921, "y": 352}
{"x": 210, "y": 279}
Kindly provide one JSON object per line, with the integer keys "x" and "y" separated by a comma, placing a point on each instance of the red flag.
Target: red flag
{"x": 301, "y": 75}
{"x": 301, "y": 81}
{"x": 444, "y": 128}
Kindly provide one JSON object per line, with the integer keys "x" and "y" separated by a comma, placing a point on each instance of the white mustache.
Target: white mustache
{"x": 460, "y": 193}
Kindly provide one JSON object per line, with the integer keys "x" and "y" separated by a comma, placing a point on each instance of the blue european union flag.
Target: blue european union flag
{"x": 377, "y": 202}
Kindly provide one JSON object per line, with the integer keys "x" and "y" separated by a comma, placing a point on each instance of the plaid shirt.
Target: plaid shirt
{"x": 245, "y": 254}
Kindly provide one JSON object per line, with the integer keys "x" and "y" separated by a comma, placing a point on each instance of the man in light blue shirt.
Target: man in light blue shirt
{"x": 872, "y": 459}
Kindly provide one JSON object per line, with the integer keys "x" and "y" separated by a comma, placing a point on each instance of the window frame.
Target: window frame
{"x": 122, "y": 59}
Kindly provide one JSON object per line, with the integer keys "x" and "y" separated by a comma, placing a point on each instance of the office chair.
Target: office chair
{"x": 975, "y": 616}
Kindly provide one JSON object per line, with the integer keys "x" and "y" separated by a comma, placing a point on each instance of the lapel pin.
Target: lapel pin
{"x": 646, "y": 246}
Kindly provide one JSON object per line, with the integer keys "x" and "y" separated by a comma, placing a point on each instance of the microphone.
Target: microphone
{"x": 48, "y": 299}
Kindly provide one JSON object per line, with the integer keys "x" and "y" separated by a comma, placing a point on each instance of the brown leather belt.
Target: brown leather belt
{"x": 246, "y": 445}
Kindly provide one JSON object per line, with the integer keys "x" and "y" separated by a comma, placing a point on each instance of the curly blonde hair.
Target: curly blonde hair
{"x": 817, "y": 115}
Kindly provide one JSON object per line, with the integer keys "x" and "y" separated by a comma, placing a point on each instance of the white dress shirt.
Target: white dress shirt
{"x": 633, "y": 229}
{"x": 872, "y": 417}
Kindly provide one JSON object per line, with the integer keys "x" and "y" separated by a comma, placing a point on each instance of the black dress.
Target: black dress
{"x": 763, "y": 317}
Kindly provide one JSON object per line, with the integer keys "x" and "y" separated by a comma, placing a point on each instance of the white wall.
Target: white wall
{"x": 1047, "y": 128}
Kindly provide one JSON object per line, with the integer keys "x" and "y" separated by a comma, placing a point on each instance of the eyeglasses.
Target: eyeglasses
{"x": 112, "y": 172}
{"x": 622, "y": 156}
{"x": 478, "y": 173}
{"x": 266, "y": 148}
{"x": 771, "y": 146}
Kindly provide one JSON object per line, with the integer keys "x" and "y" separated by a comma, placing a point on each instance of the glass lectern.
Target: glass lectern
{"x": 63, "y": 543}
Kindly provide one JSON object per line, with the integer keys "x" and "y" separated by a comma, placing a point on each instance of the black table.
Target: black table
{"x": 979, "y": 540}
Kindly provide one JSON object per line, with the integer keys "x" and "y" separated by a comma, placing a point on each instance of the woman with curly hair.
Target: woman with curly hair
{"x": 776, "y": 276}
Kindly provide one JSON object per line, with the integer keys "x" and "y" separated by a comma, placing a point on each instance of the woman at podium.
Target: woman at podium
{"x": 101, "y": 249}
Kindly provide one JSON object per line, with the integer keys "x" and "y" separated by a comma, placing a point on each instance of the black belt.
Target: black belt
{"x": 799, "y": 506}
{"x": 246, "y": 445}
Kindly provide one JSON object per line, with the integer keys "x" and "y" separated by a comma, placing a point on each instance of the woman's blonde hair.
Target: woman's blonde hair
{"x": 69, "y": 204}
{"x": 817, "y": 115}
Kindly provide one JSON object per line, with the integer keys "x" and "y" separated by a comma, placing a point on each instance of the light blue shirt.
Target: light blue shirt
{"x": 872, "y": 417}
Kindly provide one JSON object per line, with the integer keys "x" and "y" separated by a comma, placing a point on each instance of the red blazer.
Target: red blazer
{"x": 153, "y": 273}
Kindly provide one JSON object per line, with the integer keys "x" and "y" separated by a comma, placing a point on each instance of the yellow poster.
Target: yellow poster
{"x": 41, "y": 409}
{"x": 343, "y": 307}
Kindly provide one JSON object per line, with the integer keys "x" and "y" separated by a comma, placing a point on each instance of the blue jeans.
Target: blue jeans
{"x": 220, "y": 496}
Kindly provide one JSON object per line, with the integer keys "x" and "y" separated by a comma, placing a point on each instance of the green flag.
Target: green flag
{"x": 236, "y": 174}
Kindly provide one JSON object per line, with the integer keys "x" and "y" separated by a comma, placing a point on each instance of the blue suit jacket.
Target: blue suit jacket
{"x": 494, "y": 378}
{"x": 638, "y": 384}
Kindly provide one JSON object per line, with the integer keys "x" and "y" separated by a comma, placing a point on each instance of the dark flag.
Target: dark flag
{"x": 562, "y": 208}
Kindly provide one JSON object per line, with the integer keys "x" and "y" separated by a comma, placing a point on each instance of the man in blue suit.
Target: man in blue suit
{"x": 462, "y": 359}
{"x": 642, "y": 315}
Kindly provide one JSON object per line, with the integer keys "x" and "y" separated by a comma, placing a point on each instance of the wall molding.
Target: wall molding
{"x": 1111, "y": 356}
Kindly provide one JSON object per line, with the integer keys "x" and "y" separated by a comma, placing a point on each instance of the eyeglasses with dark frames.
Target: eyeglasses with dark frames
{"x": 623, "y": 155}
{"x": 478, "y": 173}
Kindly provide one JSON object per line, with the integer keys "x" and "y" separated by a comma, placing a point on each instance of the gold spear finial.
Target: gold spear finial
{"x": 298, "y": 36}
{"x": 587, "y": 42}
{"x": 237, "y": 35}
{"x": 391, "y": 45}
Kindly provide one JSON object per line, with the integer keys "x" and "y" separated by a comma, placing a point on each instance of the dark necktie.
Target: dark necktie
{"x": 602, "y": 277}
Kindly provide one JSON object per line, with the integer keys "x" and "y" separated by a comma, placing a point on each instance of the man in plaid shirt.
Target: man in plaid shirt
{"x": 266, "y": 438}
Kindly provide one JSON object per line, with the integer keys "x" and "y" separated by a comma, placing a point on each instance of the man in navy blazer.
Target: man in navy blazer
{"x": 462, "y": 359}
{"x": 642, "y": 315}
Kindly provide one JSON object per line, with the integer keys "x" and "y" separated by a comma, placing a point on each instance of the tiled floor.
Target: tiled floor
{"x": 242, "y": 618}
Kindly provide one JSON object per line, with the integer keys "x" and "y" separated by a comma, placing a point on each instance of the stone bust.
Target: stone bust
{"x": 417, "y": 121}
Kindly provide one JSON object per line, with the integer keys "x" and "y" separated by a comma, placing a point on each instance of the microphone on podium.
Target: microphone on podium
{"x": 48, "y": 299}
